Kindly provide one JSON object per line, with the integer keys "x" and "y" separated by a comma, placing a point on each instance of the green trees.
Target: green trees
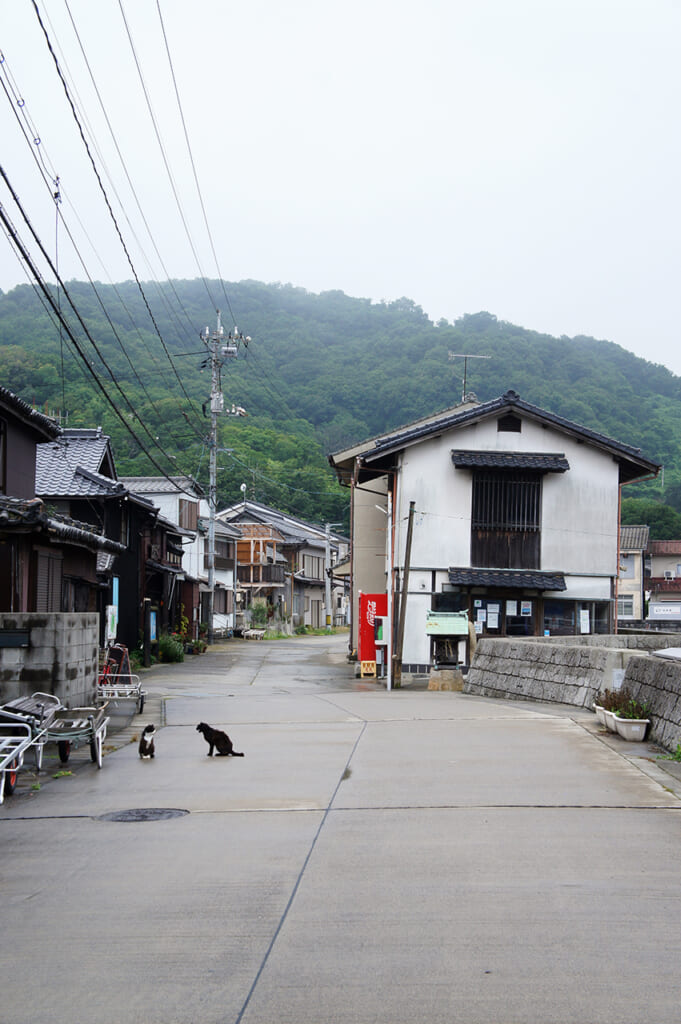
{"x": 321, "y": 373}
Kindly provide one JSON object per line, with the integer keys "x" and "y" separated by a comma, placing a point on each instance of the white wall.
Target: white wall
{"x": 579, "y": 515}
{"x": 369, "y": 548}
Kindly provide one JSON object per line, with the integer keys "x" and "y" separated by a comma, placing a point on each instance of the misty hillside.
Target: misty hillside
{"x": 321, "y": 372}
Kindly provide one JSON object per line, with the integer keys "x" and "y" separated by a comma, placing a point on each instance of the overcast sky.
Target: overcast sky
{"x": 517, "y": 156}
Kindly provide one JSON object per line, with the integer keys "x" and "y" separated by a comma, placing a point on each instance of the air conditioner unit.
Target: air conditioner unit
{"x": 668, "y": 574}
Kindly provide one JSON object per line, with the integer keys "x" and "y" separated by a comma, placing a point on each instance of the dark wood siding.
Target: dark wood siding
{"x": 506, "y": 517}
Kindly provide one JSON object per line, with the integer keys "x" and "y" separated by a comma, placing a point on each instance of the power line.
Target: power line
{"x": 104, "y": 194}
{"x": 14, "y": 236}
{"x": 132, "y": 189}
{"x": 163, "y": 154}
{"x": 191, "y": 160}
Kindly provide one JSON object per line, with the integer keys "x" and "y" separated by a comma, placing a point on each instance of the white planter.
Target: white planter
{"x": 632, "y": 729}
{"x": 610, "y": 720}
{"x": 600, "y": 713}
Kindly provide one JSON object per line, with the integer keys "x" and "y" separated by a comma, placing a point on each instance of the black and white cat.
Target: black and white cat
{"x": 146, "y": 747}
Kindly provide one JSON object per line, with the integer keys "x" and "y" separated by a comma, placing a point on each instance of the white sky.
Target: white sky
{"x": 517, "y": 156}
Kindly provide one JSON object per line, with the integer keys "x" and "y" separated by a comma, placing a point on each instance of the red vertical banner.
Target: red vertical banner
{"x": 370, "y": 605}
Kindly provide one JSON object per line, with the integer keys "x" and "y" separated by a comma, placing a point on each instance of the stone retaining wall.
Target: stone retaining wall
{"x": 559, "y": 671}
{"x": 657, "y": 683}
{"x": 61, "y": 656}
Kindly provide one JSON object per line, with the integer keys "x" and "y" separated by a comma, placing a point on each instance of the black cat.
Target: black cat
{"x": 146, "y": 747}
{"x": 218, "y": 740}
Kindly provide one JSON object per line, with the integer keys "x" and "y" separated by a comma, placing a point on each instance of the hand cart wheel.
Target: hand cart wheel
{"x": 96, "y": 750}
{"x": 10, "y": 779}
{"x": 64, "y": 749}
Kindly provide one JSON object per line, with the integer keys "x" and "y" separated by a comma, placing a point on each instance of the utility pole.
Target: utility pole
{"x": 219, "y": 349}
{"x": 397, "y": 655}
{"x": 328, "y": 610}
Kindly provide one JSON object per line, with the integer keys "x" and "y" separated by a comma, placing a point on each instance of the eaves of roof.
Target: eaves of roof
{"x": 29, "y": 516}
{"x": 632, "y": 464}
{"x": 544, "y": 462}
{"x": 514, "y": 579}
{"x": 634, "y": 538}
{"x": 41, "y": 424}
{"x": 164, "y": 485}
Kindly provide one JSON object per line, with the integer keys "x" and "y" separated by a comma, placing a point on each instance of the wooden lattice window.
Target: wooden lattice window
{"x": 506, "y": 518}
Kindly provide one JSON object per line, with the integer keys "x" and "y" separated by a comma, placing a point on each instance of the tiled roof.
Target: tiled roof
{"x": 87, "y": 448}
{"x": 163, "y": 485}
{"x": 23, "y": 411}
{"x": 632, "y": 463}
{"x": 58, "y": 472}
{"x": 634, "y": 538}
{"x": 516, "y": 579}
{"x": 511, "y": 460}
{"x": 29, "y": 515}
{"x": 294, "y": 530}
{"x": 665, "y": 547}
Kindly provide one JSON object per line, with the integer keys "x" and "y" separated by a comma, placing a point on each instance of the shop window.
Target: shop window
{"x": 559, "y": 618}
{"x": 520, "y": 615}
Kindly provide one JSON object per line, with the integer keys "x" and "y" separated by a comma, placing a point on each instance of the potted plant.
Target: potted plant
{"x": 610, "y": 703}
{"x": 632, "y": 722}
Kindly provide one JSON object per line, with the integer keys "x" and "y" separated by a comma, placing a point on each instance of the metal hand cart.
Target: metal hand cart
{"x": 24, "y": 724}
{"x": 71, "y": 727}
{"x": 116, "y": 683}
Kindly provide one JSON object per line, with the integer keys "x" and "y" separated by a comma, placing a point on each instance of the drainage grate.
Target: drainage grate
{"x": 143, "y": 814}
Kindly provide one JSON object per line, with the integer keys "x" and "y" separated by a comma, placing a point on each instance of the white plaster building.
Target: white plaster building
{"x": 515, "y": 522}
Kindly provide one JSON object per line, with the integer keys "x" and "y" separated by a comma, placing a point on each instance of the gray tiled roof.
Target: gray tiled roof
{"x": 162, "y": 484}
{"x": 23, "y": 411}
{"x": 59, "y": 472}
{"x": 632, "y": 463}
{"x": 530, "y": 579}
{"x": 511, "y": 460}
{"x": 634, "y": 538}
{"x": 294, "y": 530}
{"x": 19, "y": 514}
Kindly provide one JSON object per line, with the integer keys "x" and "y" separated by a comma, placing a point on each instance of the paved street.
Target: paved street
{"x": 375, "y": 857}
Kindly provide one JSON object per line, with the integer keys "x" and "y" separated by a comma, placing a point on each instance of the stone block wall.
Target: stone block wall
{"x": 657, "y": 683}
{"x": 61, "y": 656}
{"x": 555, "y": 670}
{"x": 528, "y": 670}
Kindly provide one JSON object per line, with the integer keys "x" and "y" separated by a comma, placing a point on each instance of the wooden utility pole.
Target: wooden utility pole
{"x": 397, "y": 655}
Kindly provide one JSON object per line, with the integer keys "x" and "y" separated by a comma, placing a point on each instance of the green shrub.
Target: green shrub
{"x": 170, "y": 649}
{"x": 634, "y": 709}
{"x": 259, "y": 613}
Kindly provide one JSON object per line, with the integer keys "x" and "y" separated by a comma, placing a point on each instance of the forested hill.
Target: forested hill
{"x": 321, "y": 372}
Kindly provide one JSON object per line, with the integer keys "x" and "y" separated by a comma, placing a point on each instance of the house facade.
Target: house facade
{"x": 664, "y": 585}
{"x": 137, "y": 584}
{"x": 631, "y": 602}
{"x": 283, "y": 559}
{"x": 512, "y": 517}
{"x": 182, "y": 501}
{"x": 48, "y": 555}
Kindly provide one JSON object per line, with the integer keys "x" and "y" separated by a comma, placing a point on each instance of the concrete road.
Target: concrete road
{"x": 375, "y": 857}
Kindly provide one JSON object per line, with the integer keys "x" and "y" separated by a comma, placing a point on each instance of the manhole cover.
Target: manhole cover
{"x": 143, "y": 814}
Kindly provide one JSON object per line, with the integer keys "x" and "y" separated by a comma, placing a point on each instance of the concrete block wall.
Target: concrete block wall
{"x": 555, "y": 670}
{"x": 528, "y": 670}
{"x": 61, "y": 656}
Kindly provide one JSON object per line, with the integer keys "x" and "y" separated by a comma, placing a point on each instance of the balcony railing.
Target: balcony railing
{"x": 261, "y": 573}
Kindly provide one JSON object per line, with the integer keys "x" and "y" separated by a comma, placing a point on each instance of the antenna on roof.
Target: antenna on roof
{"x": 460, "y": 355}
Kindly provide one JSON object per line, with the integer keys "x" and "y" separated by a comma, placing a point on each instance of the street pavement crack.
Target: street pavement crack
{"x": 298, "y": 881}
